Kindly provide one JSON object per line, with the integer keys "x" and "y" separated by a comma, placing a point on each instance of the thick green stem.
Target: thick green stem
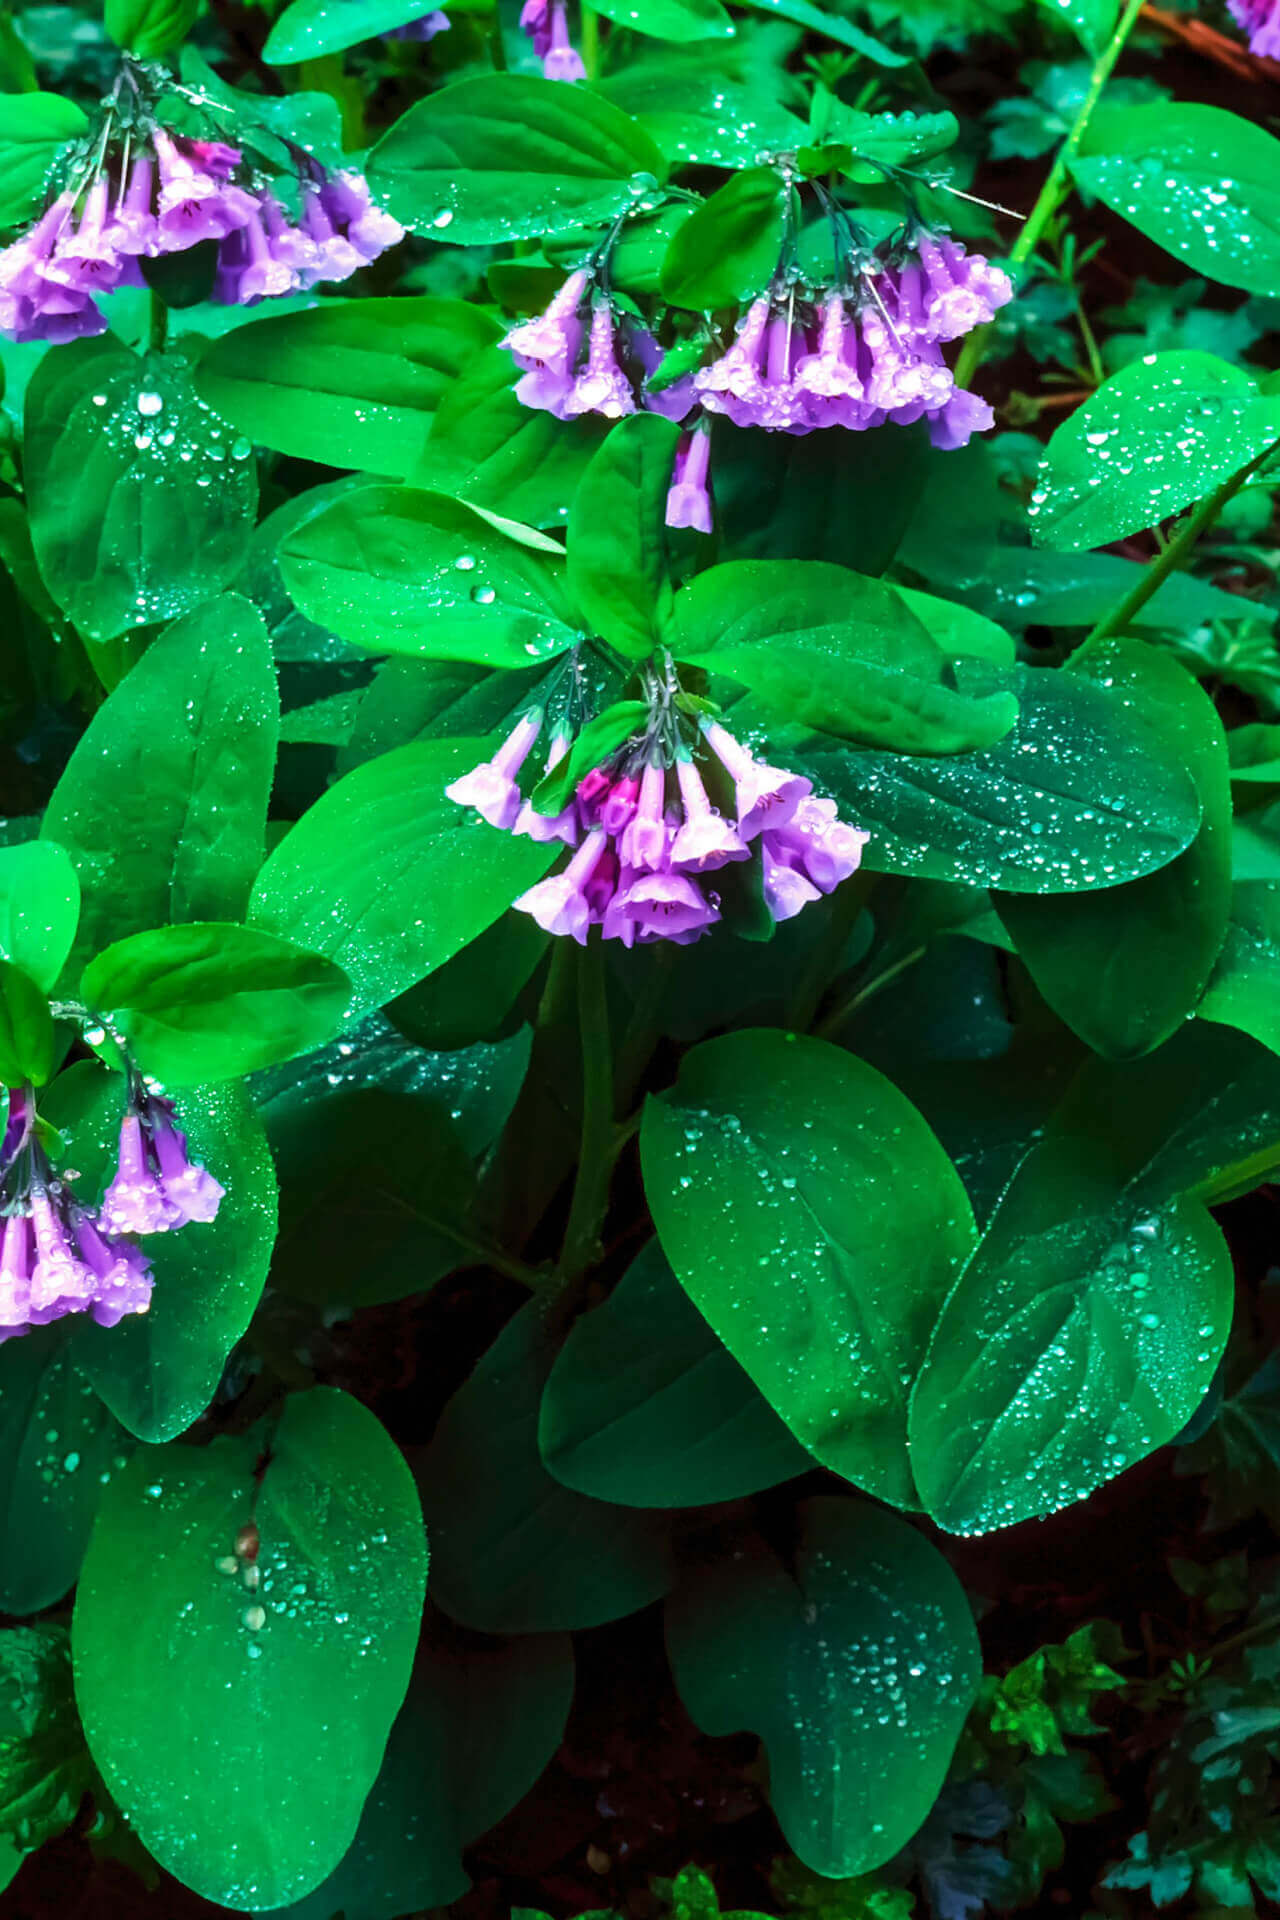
{"x": 1158, "y": 570}
{"x": 1058, "y": 185}
{"x": 591, "y": 42}
{"x": 600, "y": 1144}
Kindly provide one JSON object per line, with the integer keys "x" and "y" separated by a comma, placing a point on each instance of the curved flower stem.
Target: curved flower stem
{"x": 1058, "y": 184}
{"x": 591, "y": 42}
{"x": 841, "y": 1014}
{"x": 1157, "y": 572}
{"x": 601, "y": 1143}
{"x": 814, "y": 979}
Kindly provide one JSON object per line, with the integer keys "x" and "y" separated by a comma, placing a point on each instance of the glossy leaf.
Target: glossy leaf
{"x": 1086, "y": 1328}
{"x": 479, "y": 1723}
{"x": 1092, "y": 21}
{"x": 352, "y": 383}
{"x": 210, "y": 1001}
{"x": 700, "y": 117}
{"x": 157, "y": 1371}
{"x": 680, "y": 21}
{"x": 149, "y": 27}
{"x": 166, "y": 822}
{"x": 618, "y": 538}
{"x": 645, "y": 1407}
{"x": 188, "y": 1698}
{"x": 39, "y": 908}
{"x": 309, "y": 29}
{"x": 1074, "y": 797}
{"x": 513, "y": 1550}
{"x": 729, "y": 250}
{"x": 140, "y": 500}
{"x": 370, "y": 873}
{"x": 33, "y": 126}
{"x": 59, "y": 1446}
{"x": 397, "y": 570}
{"x": 1160, "y": 434}
{"x": 1244, "y": 989}
{"x": 1125, "y": 967}
{"x": 503, "y": 155}
{"x": 26, "y": 1029}
{"x": 813, "y": 1219}
{"x": 487, "y": 448}
{"x": 46, "y": 1766}
{"x": 1203, "y": 183}
{"x": 833, "y": 650}
{"x": 856, "y": 1663}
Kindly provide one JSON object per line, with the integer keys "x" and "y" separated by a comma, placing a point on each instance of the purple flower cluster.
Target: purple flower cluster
{"x": 547, "y": 24}
{"x": 648, "y": 839}
{"x": 56, "y": 1256}
{"x": 1261, "y": 21}
{"x": 167, "y": 199}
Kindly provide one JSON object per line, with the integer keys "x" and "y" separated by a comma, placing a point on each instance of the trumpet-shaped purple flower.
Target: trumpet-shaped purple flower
{"x": 491, "y": 787}
{"x": 196, "y": 201}
{"x": 1261, "y": 21}
{"x": 157, "y": 1186}
{"x": 689, "y": 497}
{"x": 644, "y": 856}
{"x": 601, "y": 386}
{"x": 54, "y": 1260}
{"x": 961, "y": 416}
{"x": 561, "y": 61}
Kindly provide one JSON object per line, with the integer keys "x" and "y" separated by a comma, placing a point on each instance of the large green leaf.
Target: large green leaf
{"x": 487, "y": 448}
{"x": 697, "y": 115}
{"x": 39, "y": 908}
{"x": 27, "y": 1047}
{"x": 513, "y": 1550}
{"x": 59, "y": 1447}
{"x": 241, "y": 1731}
{"x": 729, "y": 250}
{"x": 834, "y": 650}
{"x": 140, "y": 498}
{"x": 818, "y": 496}
{"x": 1086, "y": 1328}
{"x": 479, "y": 1723}
{"x": 374, "y": 1192}
{"x": 149, "y": 27}
{"x": 856, "y": 1662}
{"x": 32, "y": 128}
{"x": 680, "y": 21}
{"x": 1125, "y": 967}
{"x": 645, "y": 1407}
{"x": 352, "y": 383}
{"x": 1244, "y": 989}
{"x": 210, "y": 1001}
{"x": 1092, "y": 21}
{"x": 1160, "y": 434}
{"x": 1076, "y": 796}
{"x": 157, "y": 1371}
{"x": 503, "y": 155}
{"x": 163, "y": 804}
{"x": 308, "y": 29}
{"x": 398, "y": 570}
{"x": 1203, "y": 183}
{"x": 46, "y": 1770}
{"x": 617, "y": 535}
{"x": 813, "y": 1219}
{"x": 388, "y": 876}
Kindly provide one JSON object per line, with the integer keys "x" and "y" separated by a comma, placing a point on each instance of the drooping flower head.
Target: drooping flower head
{"x": 157, "y": 1186}
{"x": 1261, "y": 21}
{"x": 135, "y": 188}
{"x": 653, "y": 828}
{"x": 547, "y": 24}
{"x": 55, "y": 1258}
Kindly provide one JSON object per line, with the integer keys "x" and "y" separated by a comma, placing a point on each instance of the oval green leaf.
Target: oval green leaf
{"x": 39, "y": 908}
{"x": 856, "y": 1664}
{"x": 242, "y": 1749}
{"x": 728, "y": 251}
{"x": 813, "y": 1219}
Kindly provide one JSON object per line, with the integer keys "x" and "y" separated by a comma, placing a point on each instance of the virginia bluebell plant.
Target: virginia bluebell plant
{"x": 639, "y": 959}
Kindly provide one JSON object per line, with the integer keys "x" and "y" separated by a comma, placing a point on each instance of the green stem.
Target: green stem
{"x": 1058, "y": 185}
{"x": 159, "y": 325}
{"x": 842, "y": 1013}
{"x": 591, "y": 41}
{"x": 600, "y": 1143}
{"x": 644, "y": 1027}
{"x": 497, "y": 50}
{"x": 824, "y": 961}
{"x": 1158, "y": 570}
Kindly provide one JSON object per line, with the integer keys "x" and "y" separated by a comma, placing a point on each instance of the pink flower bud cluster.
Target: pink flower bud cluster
{"x": 647, "y": 839}
{"x": 173, "y": 195}
{"x": 59, "y": 1257}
